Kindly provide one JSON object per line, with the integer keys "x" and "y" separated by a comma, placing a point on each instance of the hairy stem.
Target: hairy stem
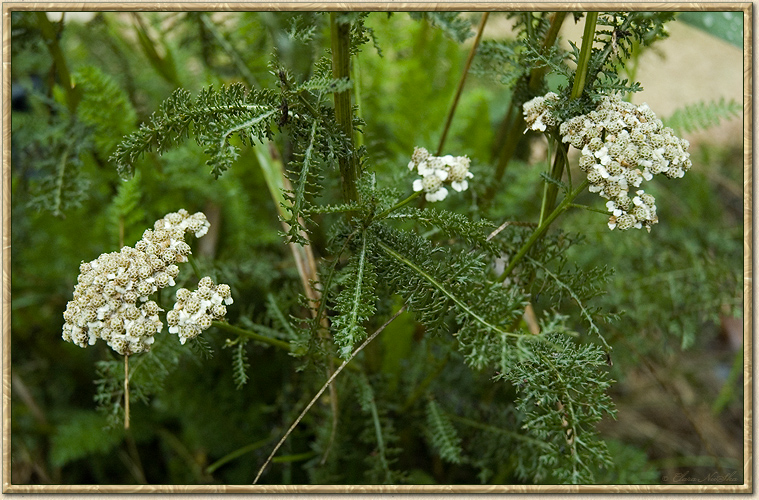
{"x": 460, "y": 88}
{"x": 343, "y": 112}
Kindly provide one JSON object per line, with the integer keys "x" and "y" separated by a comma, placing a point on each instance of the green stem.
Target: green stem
{"x": 230, "y": 51}
{"x": 551, "y": 190}
{"x": 247, "y": 333}
{"x": 468, "y": 310}
{"x": 462, "y": 80}
{"x": 542, "y": 229}
{"x": 398, "y": 205}
{"x": 343, "y": 112}
{"x": 514, "y": 122}
{"x": 589, "y": 209}
{"x": 587, "y": 47}
{"x": 324, "y": 388}
{"x": 237, "y": 453}
{"x": 50, "y": 37}
{"x": 581, "y": 75}
{"x": 537, "y": 73}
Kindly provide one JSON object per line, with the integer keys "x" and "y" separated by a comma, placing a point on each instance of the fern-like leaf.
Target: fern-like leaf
{"x": 442, "y": 434}
{"x": 105, "y": 108}
{"x": 240, "y": 364}
{"x": 212, "y": 118}
{"x": 702, "y": 115}
{"x": 356, "y": 303}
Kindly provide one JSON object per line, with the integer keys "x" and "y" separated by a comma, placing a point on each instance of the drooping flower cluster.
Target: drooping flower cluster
{"x": 622, "y": 145}
{"x": 111, "y": 297}
{"x": 437, "y": 170}
{"x": 194, "y": 311}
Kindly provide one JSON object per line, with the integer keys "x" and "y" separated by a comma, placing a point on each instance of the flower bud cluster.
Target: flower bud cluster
{"x": 437, "y": 170}
{"x": 537, "y": 112}
{"x": 111, "y": 295}
{"x": 622, "y": 145}
{"x": 194, "y": 311}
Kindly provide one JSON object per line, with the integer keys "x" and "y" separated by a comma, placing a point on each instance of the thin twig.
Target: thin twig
{"x": 324, "y": 388}
{"x": 468, "y": 64}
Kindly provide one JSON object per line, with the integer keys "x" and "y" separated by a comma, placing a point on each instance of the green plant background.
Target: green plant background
{"x": 677, "y": 392}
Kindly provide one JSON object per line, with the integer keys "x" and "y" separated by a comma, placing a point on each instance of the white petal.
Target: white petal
{"x": 460, "y": 186}
{"x": 418, "y": 185}
{"x": 443, "y": 174}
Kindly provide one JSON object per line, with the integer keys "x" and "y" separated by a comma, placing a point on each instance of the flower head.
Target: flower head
{"x": 439, "y": 170}
{"x": 194, "y": 311}
{"x": 111, "y": 297}
{"x": 623, "y": 145}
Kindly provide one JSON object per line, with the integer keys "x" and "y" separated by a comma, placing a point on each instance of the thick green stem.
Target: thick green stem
{"x": 341, "y": 59}
{"x": 581, "y": 76}
{"x": 587, "y": 47}
{"x": 542, "y": 229}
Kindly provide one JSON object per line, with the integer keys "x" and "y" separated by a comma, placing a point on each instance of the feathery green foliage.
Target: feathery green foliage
{"x": 442, "y": 434}
{"x": 498, "y": 370}
{"x": 702, "y": 115}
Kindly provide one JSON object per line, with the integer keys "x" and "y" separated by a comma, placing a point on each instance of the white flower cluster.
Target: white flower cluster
{"x": 436, "y": 170}
{"x": 194, "y": 311}
{"x": 622, "y": 145}
{"x": 111, "y": 295}
{"x": 537, "y": 112}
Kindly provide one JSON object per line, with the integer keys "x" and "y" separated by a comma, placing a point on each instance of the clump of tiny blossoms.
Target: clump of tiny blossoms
{"x": 622, "y": 145}
{"x": 195, "y": 311}
{"x": 111, "y": 297}
{"x": 439, "y": 170}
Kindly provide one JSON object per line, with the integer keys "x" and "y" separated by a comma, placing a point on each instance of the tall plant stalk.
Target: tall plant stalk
{"x": 343, "y": 113}
{"x": 581, "y": 76}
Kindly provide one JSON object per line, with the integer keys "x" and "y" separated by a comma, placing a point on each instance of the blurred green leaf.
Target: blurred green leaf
{"x": 725, "y": 25}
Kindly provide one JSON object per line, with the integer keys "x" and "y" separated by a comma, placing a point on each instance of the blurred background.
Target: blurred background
{"x": 81, "y": 81}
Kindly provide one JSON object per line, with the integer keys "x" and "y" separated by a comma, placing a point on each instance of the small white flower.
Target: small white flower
{"x": 438, "y": 195}
{"x": 460, "y": 185}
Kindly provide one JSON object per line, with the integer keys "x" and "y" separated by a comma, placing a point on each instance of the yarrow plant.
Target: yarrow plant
{"x": 112, "y": 296}
{"x": 491, "y": 340}
{"x": 621, "y": 146}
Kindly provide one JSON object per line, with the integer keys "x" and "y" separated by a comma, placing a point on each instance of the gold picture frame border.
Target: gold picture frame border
{"x": 745, "y": 7}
